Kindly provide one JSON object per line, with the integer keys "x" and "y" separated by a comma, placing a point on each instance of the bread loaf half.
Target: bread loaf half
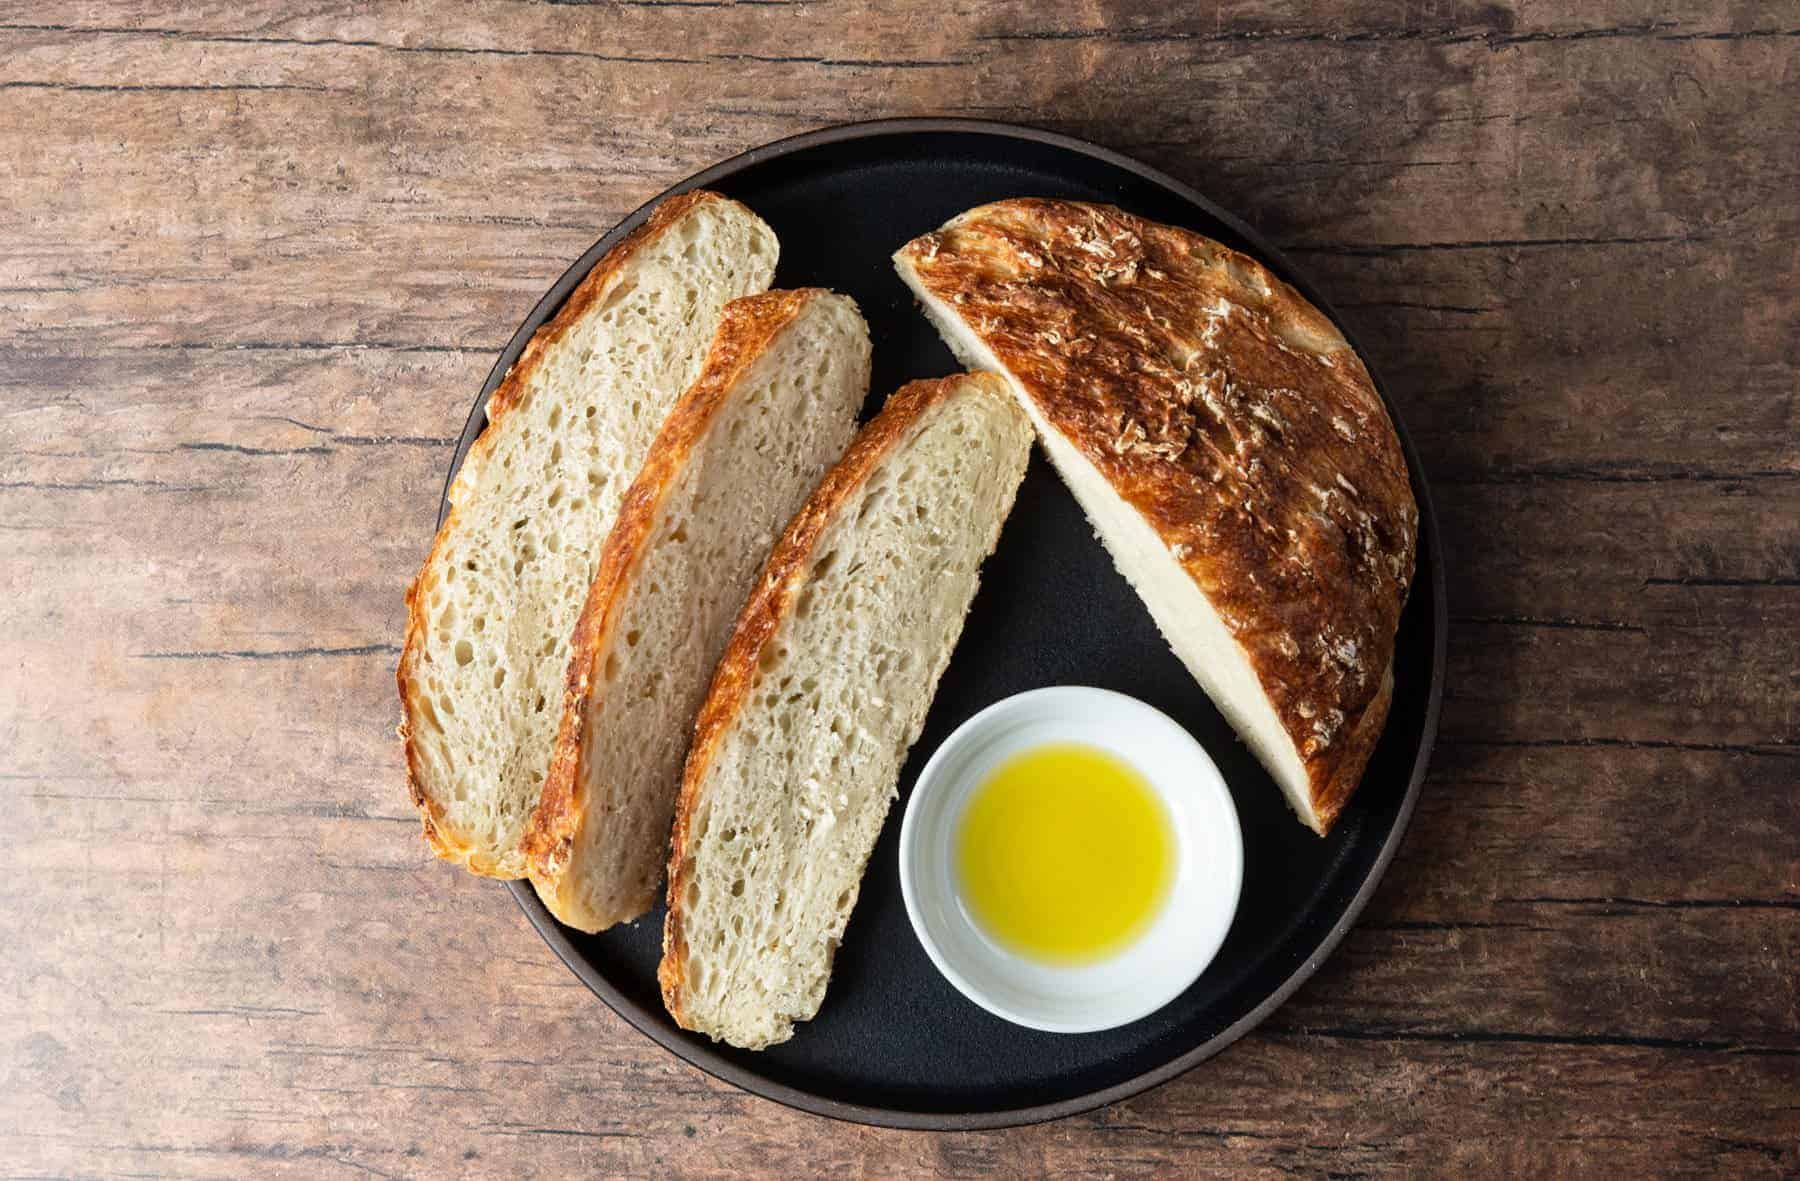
{"x": 774, "y": 408}
{"x": 490, "y": 614}
{"x": 1227, "y": 445}
{"x": 822, "y": 688}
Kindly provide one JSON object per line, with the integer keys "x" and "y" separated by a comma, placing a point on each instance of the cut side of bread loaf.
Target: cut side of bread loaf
{"x": 822, "y": 689}
{"x": 1229, "y": 448}
{"x": 490, "y": 615}
{"x": 774, "y": 408}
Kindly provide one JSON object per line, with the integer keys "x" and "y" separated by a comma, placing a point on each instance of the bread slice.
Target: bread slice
{"x": 822, "y": 689}
{"x": 774, "y": 408}
{"x": 1227, "y": 445}
{"x": 490, "y": 614}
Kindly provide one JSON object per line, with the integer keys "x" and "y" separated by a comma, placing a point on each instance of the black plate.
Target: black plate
{"x": 895, "y": 1044}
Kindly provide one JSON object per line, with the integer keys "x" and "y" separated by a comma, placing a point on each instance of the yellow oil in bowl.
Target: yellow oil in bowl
{"x": 1064, "y": 854}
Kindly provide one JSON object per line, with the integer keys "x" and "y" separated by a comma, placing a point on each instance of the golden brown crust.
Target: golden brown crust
{"x": 745, "y": 330}
{"x": 597, "y": 283}
{"x": 782, "y": 579}
{"x": 1359, "y": 743}
{"x": 1234, "y": 417}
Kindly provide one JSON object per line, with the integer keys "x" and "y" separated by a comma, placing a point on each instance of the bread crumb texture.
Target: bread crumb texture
{"x": 492, "y": 611}
{"x": 738, "y": 456}
{"x": 822, "y": 691}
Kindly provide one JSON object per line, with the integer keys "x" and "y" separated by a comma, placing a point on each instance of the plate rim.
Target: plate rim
{"x": 711, "y": 1061}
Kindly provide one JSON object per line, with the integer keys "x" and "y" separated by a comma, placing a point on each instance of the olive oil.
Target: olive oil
{"x": 1064, "y": 854}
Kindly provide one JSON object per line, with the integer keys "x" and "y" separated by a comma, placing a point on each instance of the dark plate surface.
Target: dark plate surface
{"x": 894, "y": 1043}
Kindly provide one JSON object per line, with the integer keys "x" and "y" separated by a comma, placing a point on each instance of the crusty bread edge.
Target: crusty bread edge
{"x": 783, "y": 577}
{"x": 750, "y": 324}
{"x": 1332, "y": 776}
{"x": 599, "y": 281}
{"x": 1272, "y": 295}
{"x": 1334, "y": 789}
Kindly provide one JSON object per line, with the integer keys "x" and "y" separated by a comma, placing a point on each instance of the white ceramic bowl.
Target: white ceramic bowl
{"x": 1181, "y": 940}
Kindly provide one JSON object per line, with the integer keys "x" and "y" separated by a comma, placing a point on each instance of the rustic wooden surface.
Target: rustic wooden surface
{"x": 255, "y": 259}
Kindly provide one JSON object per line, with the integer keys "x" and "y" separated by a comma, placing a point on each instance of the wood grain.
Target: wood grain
{"x": 256, "y": 257}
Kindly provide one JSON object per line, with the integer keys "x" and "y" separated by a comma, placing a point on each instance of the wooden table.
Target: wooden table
{"x": 255, "y": 259}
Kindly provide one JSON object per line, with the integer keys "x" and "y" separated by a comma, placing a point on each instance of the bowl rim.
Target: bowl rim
{"x": 708, "y": 1058}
